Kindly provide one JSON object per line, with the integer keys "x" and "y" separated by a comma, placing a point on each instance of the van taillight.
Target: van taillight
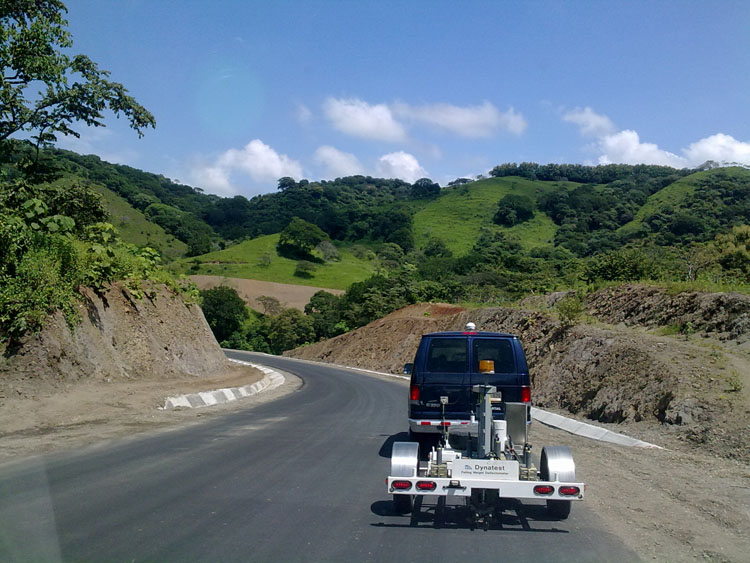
{"x": 414, "y": 393}
{"x": 525, "y": 394}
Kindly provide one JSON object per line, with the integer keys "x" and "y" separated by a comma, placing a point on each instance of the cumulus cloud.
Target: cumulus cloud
{"x": 337, "y": 163}
{"x": 470, "y": 121}
{"x": 626, "y": 147}
{"x": 400, "y": 165}
{"x": 360, "y": 119}
{"x": 213, "y": 179}
{"x": 256, "y": 159}
{"x": 260, "y": 161}
{"x": 590, "y": 122}
{"x": 719, "y": 147}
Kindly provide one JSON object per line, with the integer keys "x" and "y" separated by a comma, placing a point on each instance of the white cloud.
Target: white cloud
{"x": 400, "y": 165}
{"x": 213, "y": 179}
{"x": 625, "y": 147}
{"x": 590, "y": 122}
{"x": 337, "y": 163}
{"x": 260, "y": 161}
{"x": 469, "y": 121}
{"x": 360, "y": 119}
{"x": 719, "y": 147}
{"x": 256, "y": 159}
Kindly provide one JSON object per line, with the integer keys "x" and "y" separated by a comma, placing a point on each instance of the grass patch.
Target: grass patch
{"x": 250, "y": 260}
{"x": 458, "y": 215}
{"x": 136, "y": 229}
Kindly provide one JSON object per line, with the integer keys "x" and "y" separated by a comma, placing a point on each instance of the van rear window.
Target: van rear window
{"x": 448, "y": 355}
{"x": 499, "y": 350}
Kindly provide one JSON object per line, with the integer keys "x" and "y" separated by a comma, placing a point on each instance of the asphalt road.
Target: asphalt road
{"x": 297, "y": 479}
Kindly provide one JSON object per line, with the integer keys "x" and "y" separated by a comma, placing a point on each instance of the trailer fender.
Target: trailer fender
{"x": 404, "y": 459}
{"x": 557, "y": 464}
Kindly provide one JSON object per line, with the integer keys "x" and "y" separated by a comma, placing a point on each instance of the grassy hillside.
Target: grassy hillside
{"x": 243, "y": 261}
{"x": 677, "y": 194}
{"x": 136, "y": 229}
{"x": 458, "y": 215}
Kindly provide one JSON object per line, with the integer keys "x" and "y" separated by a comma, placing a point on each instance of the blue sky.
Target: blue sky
{"x": 245, "y": 92}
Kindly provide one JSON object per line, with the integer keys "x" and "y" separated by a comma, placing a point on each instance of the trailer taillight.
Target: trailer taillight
{"x": 426, "y": 485}
{"x": 525, "y": 394}
{"x": 414, "y": 393}
{"x": 569, "y": 491}
{"x": 401, "y": 485}
{"x": 544, "y": 489}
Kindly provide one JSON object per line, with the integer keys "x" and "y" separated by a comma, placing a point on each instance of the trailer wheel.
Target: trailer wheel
{"x": 559, "y": 509}
{"x": 402, "y": 504}
{"x": 557, "y": 462}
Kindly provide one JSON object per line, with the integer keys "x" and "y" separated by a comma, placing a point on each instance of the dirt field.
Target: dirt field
{"x": 290, "y": 296}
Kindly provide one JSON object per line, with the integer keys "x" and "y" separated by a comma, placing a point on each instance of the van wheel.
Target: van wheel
{"x": 402, "y": 504}
{"x": 425, "y": 441}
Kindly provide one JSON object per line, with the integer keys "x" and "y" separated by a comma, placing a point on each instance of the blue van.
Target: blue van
{"x": 447, "y": 366}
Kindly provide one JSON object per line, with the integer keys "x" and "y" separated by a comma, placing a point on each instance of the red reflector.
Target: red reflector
{"x": 445, "y": 423}
{"x": 569, "y": 491}
{"x": 401, "y": 485}
{"x": 424, "y": 423}
{"x": 544, "y": 490}
{"x": 414, "y": 393}
{"x": 426, "y": 485}
{"x": 525, "y": 394}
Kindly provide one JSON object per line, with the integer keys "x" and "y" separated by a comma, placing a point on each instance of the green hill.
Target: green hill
{"x": 686, "y": 194}
{"x": 244, "y": 260}
{"x": 459, "y": 214}
{"x": 135, "y": 228}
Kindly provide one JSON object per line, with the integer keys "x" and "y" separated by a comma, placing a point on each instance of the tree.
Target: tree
{"x": 424, "y": 187}
{"x": 299, "y": 238}
{"x": 514, "y": 209}
{"x": 44, "y": 89}
{"x": 304, "y": 269}
{"x": 224, "y": 310}
{"x": 271, "y": 305}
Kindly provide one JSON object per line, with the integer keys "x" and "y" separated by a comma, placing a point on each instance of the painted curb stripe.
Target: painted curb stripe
{"x": 271, "y": 380}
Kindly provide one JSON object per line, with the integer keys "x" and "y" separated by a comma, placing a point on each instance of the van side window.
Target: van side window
{"x": 499, "y": 350}
{"x": 448, "y": 355}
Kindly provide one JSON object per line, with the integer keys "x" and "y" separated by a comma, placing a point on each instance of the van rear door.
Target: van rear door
{"x": 507, "y": 377}
{"x": 444, "y": 373}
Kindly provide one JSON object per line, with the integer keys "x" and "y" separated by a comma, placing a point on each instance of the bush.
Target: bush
{"x": 304, "y": 269}
{"x": 569, "y": 309}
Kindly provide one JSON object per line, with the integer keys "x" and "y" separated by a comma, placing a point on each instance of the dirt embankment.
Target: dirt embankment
{"x": 108, "y": 376}
{"x": 685, "y": 390}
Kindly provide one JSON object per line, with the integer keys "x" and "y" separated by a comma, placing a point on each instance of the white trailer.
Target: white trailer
{"x": 484, "y": 462}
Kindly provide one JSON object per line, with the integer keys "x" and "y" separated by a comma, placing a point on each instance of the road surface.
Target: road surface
{"x": 296, "y": 479}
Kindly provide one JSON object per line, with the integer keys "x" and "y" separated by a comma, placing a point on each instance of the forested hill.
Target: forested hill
{"x": 585, "y": 209}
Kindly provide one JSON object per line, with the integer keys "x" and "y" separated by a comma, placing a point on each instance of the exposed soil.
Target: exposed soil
{"x": 290, "y": 296}
{"x": 109, "y": 376}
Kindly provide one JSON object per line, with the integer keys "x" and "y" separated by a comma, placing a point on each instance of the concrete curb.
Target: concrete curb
{"x": 548, "y": 418}
{"x": 271, "y": 380}
{"x": 587, "y": 430}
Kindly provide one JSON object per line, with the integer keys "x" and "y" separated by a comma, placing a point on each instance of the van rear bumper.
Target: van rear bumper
{"x": 431, "y": 426}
